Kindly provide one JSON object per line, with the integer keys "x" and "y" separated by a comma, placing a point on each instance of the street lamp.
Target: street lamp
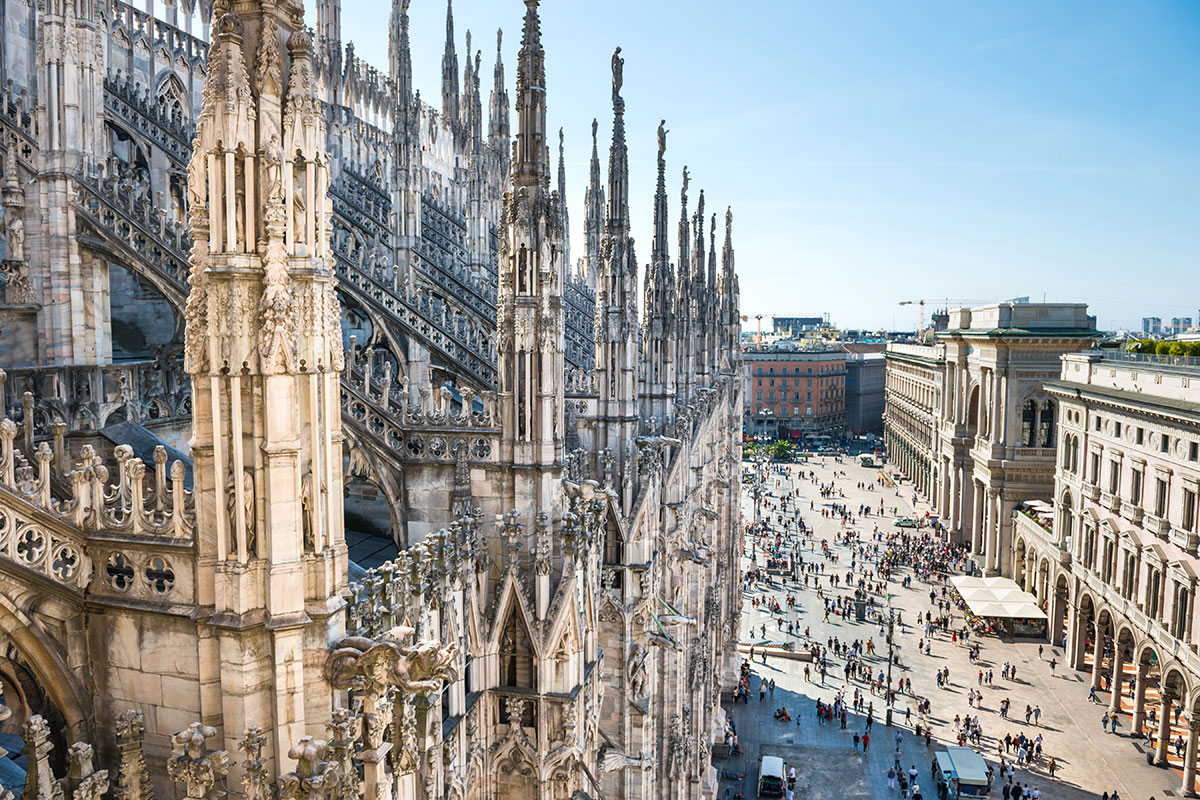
{"x": 891, "y": 638}
{"x": 761, "y": 459}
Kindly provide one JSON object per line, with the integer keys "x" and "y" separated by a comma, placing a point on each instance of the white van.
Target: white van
{"x": 770, "y": 777}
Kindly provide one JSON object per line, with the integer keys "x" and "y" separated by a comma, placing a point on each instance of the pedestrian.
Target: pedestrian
{"x": 1037, "y": 714}
{"x": 866, "y": 741}
{"x": 762, "y": 690}
{"x": 1104, "y": 722}
{"x": 1039, "y": 652}
{"x": 1053, "y": 664}
{"x": 891, "y": 776}
{"x": 857, "y": 739}
{"x": 1051, "y": 766}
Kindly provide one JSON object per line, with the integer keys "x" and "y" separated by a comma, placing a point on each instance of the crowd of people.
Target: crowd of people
{"x": 849, "y": 575}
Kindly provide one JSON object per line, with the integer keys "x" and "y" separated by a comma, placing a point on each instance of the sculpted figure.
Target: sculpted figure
{"x": 273, "y": 156}
{"x": 358, "y": 662}
{"x": 618, "y": 68}
{"x": 16, "y": 236}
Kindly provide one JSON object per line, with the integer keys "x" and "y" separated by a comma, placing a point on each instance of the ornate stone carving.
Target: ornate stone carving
{"x": 134, "y": 776}
{"x": 201, "y": 771}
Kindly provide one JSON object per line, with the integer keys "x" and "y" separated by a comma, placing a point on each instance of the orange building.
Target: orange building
{"x": 794, "y": 393}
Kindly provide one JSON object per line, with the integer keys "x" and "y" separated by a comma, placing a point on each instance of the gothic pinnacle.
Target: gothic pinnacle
{"x": 531, "y": 166}
{"x": 660, "y": 254}
{"x": 618, "y": 157}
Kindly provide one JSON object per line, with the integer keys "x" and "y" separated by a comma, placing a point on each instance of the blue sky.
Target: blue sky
{"x": 883, "y": 151}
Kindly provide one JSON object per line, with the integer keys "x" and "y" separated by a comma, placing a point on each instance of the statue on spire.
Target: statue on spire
{"x": 618, "y": 68}
{"x": 662, "y": 139}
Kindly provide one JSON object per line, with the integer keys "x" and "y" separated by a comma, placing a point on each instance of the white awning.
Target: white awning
{"x": 997, "y": 597}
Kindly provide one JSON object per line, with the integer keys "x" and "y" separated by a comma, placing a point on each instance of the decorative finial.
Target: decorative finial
{"x": 662, "y": 138}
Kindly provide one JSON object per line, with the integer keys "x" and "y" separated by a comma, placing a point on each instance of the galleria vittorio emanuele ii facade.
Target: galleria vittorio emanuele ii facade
{"x": 325, "y": 471}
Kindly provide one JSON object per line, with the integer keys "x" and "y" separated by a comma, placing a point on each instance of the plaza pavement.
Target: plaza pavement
{"x": 1090, "y": 761}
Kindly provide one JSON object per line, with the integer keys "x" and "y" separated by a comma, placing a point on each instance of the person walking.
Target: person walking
{"x": 1037, "y": 714}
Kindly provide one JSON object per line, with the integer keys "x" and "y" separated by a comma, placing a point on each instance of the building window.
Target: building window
{"x": 1160, "y": 498}
{"x": 1135, "y": 486}
{"x": 1188, "y": 522}
{"x": 1095, "y": 467}
{"x": 1117, "y": 429}
{"x": 1114, "y": 477}
{"x": 1046, "y": 424}
{"x": 1153, "y": 593}
{"x": 1164, "y": 444}
{"x": 1140, "y": 435}
{"x": 1097, "y": 424}
{"x": 1028, "y": 422}
{"x": 1194, "y": 451}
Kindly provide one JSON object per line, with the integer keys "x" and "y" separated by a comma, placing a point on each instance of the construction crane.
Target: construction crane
{"x": 921, "y": 305}
{"x": 758, "y": 342}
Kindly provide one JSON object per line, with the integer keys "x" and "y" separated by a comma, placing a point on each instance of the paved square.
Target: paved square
{"x": 1089, "y": 760}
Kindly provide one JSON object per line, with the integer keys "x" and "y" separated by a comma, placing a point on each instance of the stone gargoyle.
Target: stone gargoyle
{"x": 358, "y": 662}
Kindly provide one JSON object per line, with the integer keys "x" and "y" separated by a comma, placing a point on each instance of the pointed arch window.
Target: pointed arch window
{"x": 516, "y": 652}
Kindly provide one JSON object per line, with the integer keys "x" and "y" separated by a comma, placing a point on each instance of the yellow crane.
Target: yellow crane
{"x": 921, "y": 305}
{"x": 758, "y": 342}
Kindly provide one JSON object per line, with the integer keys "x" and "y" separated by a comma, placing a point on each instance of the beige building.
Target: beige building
{"x": 1114, "y": 559}
{"x": 969, "y": 421}
{"x": 913, "y": 393}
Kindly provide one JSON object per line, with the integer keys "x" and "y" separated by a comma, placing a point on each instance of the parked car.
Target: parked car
{"x": 907, "y": 522}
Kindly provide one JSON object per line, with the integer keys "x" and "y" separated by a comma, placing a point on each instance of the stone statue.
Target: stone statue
{"x": 662, "y": 138}
{"x": 196, "y": 188}
{"x": 16, "y": 235}
{"x": 637, "y": 671}
{"x": 612, "y": 760}
{"x": 273, "y": 157}
{"x": 618, "y": 67}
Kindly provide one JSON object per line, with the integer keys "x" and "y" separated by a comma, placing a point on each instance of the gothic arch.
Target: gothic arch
{"x": 43, "y": 663}
{"x": 173, "y": 94}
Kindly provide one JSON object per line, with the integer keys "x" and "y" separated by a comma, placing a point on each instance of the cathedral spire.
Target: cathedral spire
{"x": 532, "y": 165}
{"x": 659, "y": 341}
{"x": 498, "y": 127}
{"x": 616, "y": 312}
{"x": 399, "y": 53}
{"x": 450, "y": 108}
{"x": 661, "y": 254}
{"x": 684, "y": 230}
{"x": 562, "y": 198}
{"x": 594, "y": 207}
{"x": 712, "y": 254}
{"x": 618, "y": 154}
{"x": 529, "y": 307}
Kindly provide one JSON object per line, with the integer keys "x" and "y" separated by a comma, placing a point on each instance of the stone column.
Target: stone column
{"x": 995, "y": 525}
{"x": 977, "y": 523}
{"x": 1164, "y": 728}
{"x": 956, "y": 500}
{"x": 1075, "y": 629}
{"x": 1139, "y": 696}
{"x": 1188, "y": 789}
{"x": 1118, "y": 666}
{"x": 1097, "y": 656}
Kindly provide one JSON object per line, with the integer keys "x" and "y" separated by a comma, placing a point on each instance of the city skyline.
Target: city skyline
{"x": 1049, "y": 146}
